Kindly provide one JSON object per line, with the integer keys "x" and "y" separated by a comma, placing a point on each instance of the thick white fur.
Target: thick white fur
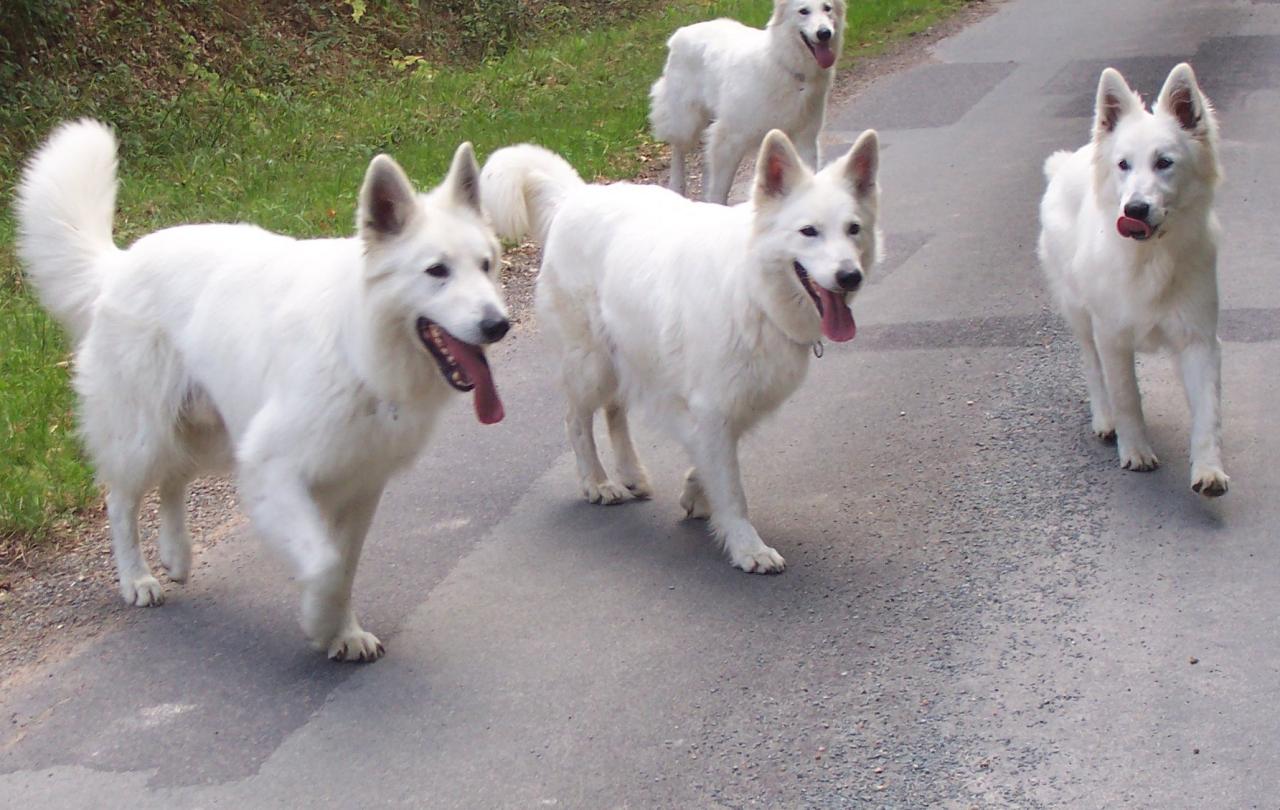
{"x": 1121, "y": 295}
{"x": 738, "y": 83}
{"x": 297, "y": 362}
{"x": 689, "y": 311}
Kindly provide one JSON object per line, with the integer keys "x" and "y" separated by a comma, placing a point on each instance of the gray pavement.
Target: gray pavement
{"x": 981, "y": 609}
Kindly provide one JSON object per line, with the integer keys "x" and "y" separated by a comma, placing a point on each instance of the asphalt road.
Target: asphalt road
{"x": 980, "y": 609}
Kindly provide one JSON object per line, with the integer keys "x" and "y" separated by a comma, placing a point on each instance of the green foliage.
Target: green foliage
{"x": 230, "y": 122}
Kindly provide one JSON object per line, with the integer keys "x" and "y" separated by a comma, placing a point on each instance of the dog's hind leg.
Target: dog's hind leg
{"x": 1116, "y": 354}
{"x": 175, "y": 540}
{"x": 138, "y": 585}
{"x": 715, "y": 453}
{"x": 1202, "y": 379}
{"x": 631, "y": 471}
{"x": 595, "y": 483}
{"x": 589, "y": 382}
{"x": 1103, "y": 423}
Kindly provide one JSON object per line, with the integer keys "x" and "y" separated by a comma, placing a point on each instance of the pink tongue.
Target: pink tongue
{"x": 822, "y": 52}
{"x": 1128, "y": 226}
{"x": 837, "y": 320}
{"x": 488, "y": 405}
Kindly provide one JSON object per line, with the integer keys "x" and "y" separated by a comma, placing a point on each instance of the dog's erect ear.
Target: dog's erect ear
{"x": 1181, "y": 98}
{"x": 386, "y": 200}
{"x": 778, "y": 167}
{"x": 1115, "y": 100}
{"x": 863, "y": 164}
{"x": 463, "y": 181}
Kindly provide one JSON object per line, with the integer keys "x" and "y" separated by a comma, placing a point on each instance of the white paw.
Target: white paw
{"x": 605, "y": 493}
{"x": 1139, "y": 458}
{"x": 356, "y": 645}
{"x": 693, "y": 500}
{"x": 1209, "y": 480}
{"x": 176, "y": 562}
{"x": 1104, "y": 430}
{"x": 145, "y": 591}
{"x": 763, "y": 560}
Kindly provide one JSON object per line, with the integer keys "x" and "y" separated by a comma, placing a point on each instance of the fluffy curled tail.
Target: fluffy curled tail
{"x": 521, "y": 188}
{"x": 64, "y": 205}
{"x": 1054, "y": 162}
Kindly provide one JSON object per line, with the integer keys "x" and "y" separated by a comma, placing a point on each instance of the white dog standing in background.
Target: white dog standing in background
{"x": 317, "y": 368}
{"x": 1130, "y": 244}
{"x": 738, "y": 83}
{"x": 703, "y": 316}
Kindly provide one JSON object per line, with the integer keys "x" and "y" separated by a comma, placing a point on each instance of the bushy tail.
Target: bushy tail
{"x": 65, "y": 203}
{"x": 1054, "y": 162}
{"x": 521, "y": 187}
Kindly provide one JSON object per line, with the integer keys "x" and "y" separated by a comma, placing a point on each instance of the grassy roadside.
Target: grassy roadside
{"x": 290, "y": 157}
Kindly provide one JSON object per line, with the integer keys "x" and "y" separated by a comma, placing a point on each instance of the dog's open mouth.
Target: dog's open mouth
{"x": 833, "y": 308}
{"x": 463, "y": 366}
{"x": 1134, "y": 228}
{"x": 821, "y": 51}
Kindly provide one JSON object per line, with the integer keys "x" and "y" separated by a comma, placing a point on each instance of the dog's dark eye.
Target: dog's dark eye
{"x": 1163, "y": 163}
{"x": 804, "y": 12}
{"x": 827, "y": 9}
{"x": 1124, "y": 165}
{"x": 484, "y": 265}
{"x": 809, "y": 230}
{"x": 437, "y": 270}
{"x": 854, "y": 229}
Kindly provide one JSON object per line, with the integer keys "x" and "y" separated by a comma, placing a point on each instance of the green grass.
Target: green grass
{"x": 290, "y": 157}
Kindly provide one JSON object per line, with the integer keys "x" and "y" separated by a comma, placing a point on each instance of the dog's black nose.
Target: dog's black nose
{"x": 849, "y": 279}
{"x": 494, "y": 328}
{"x": 824, "y": 34}
{"x": 1137, "y": 210}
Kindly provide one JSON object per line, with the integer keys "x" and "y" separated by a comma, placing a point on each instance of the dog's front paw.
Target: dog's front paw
{"x": 1139, "y": 457}
{"x": 356, "y": 645}
{"x": 1209, "y": 480}
{"x": 145, "y": 591}
{"x": 1104, "y": 430}
{"x": 692, "y": 499}
{"x": 763, "y": 560}
{"x": 605, "y": 493}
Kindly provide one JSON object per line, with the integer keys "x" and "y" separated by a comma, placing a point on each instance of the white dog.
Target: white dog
{"x": 316, "y": 367}
{"x": 1130, "y": 243}
{"x": 742, "y": 82}
{"x": 700, "y": 315}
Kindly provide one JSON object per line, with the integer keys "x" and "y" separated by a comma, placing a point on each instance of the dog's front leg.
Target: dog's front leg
{"x": 724, "y": 153}
{"x": 1116, "y": 353}
{"x": 328, "y": 600}
{"x": 807, "y": 147}
{"x": 715, "y": 453}
{"x": 280, "y": 503}
{"x": 1202, "y": 379}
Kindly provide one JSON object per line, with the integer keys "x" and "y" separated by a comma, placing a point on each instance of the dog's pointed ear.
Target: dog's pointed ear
{"x": 1115, "y": 100}
{"x": 778, "y": 168}
{"x": 863, "y": 164}
{"x": 387, "y": 200}
{"x": 463, "y": 180}
{"x": 1181, "y": 98}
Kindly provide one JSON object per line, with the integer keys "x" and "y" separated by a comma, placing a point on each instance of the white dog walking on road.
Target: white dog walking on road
{"x": 738, "y": 83}
{"x": 1130, "y": 242}
{"x": 316, "y": 368}
{"x": 702, "y": 316}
